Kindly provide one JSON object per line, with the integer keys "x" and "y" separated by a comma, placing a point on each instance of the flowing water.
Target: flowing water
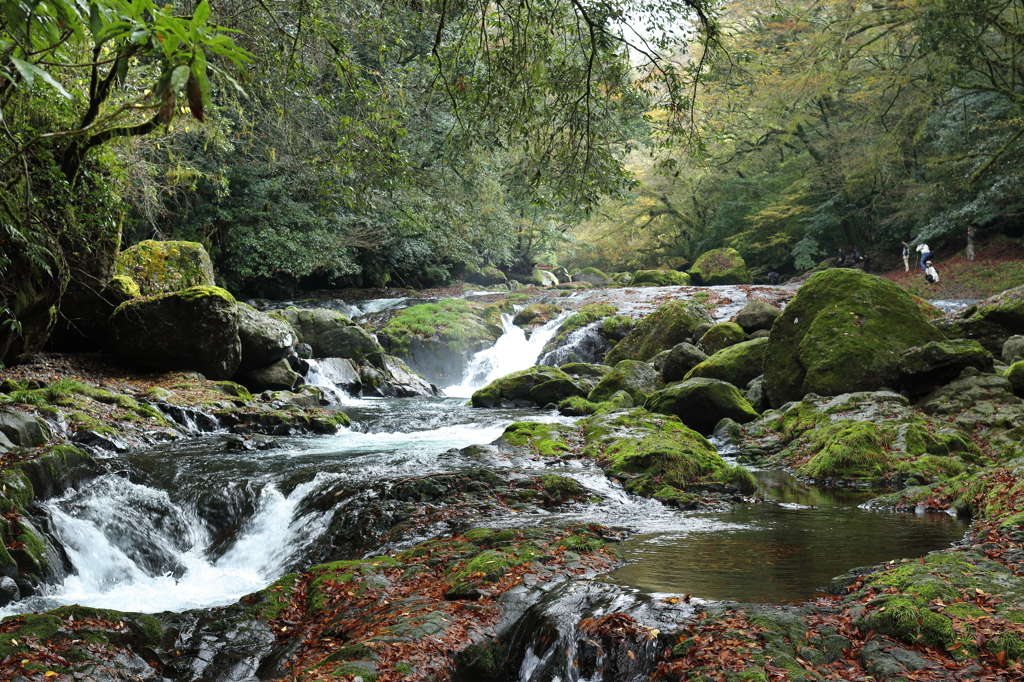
{"x": 198, "y": 524}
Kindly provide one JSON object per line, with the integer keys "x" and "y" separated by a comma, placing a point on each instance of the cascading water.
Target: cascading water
{"x": 585, "y": 344}
{"x": 514, "y": 351}
{"x": 336, "y": 378}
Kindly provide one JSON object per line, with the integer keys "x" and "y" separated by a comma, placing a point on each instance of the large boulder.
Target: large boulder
{"x": 721, "y": 335}
{"x": 638, "y": 379}
{"x": 195, "y": 329}
{"x": 517, "y": 389}
{"x": 279, "y": 376}
{"x": 22, "y": 429}
{"x": 388, "y": 377}
{"x": 739, "y": 364}
{"x": 669, "y": 325}
{"x": 843, "y": 332}
{"x": 330, "y": 334}
{"x": 1015, "y": 375}
{"x": 265, "y": 339}
{"x": 940, "y": 362}
{"x": 1013, "y": 349}
{"x": 991, "y": 322}
{"x": 702, "y": 403}
{"x": 592, "y": 276}
{"x": 719, "y": 266}
{"x": 757, "y": 315}
{"x": 163, "y": 267}
{"x": 486, "y": 276}
{"x": 679, "y": 360}
{"x": 658, "y": 278}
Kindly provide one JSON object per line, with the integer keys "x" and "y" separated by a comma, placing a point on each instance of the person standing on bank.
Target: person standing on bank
{"x": 930, "y": 275}
{"x": 925, "y": 252}
{"x": 906, "y": 257}
{"x": 970, "y": 242}
{"x": 840, "y": 259}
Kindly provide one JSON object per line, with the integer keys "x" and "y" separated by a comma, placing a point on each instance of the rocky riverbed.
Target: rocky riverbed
{"x": 486, "y": 562}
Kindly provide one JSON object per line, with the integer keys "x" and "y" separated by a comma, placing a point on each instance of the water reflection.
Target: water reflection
{"x": 785, "y": 549}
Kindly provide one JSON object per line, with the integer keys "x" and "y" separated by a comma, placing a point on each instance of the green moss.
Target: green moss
{"x": 735, "y": 475}
{"x": 846, "y": 450}
{"x": 161, "y": 267}
{"x": 719, "y": 266}
{"x": 659, "y": 278}
{"x": 270, "y": 602}
{"x": 124, "y": 286}
{"x": 560, "y": 486}
{"x": 671, "y": 324}
{"x": 457, "y": 322}
{"x": 488, "y": 566}
{"x": 587, "y": 314}
{"x": 546, "y": 439}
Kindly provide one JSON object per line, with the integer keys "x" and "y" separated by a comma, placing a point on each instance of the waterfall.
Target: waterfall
{"x": 336, "y": 378}
{"x": 513, "y": 351}
{"x": 132, "y": 548}
{"x": 581, "y": 345}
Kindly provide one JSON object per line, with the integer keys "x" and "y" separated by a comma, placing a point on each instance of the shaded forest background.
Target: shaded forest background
{"x": 340, "y": 143}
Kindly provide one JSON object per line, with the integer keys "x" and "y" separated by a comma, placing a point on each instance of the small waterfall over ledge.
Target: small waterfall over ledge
{"x": 513, "y": 351}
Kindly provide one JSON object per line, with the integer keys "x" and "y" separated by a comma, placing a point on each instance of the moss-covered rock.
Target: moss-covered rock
{"x": 843, "y": 332}
{"x": 1015, "y": 375}
{"x": 590, "y": 313}
{"x": 123, "y": 287}
{"x": 990, "y": 322}
{"x": 195, "y": 329}
{"x": 739, "y": 364}
{"x": 164, "y": 267}
{"x": 939, "y": 362}
{"x": 638, "y": 379}
{"x": 592, "y": 276}
{"x": 719, "y": 336}
{"x": 536, "y": 315}
{"x": 659, "y": 454}
{"x": 545, "y": 439}
{"x": 517, "y": 388}
{"x": 659, "y": 278}
{"x": 680, "y": 360}
{"x": 671, "y": 324}
{"x": 330, "y": 334}
{"x": 719, "y": 266}
{"x": 616, "y": 327}
{"x": 486, "y": 276}
{"x": 436, "y": 338}
{"x": 1013, "y": 349}
{"x": 702, "y": 403}
{"x": 757, "y": 315}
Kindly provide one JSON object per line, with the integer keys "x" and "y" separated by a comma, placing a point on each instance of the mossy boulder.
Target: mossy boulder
{"x": 586, "y": 373}
{"x": 536, "y": 315}
{"x": 757, "y": 315}
{"x": 123, "y": 288}
{"x": 738, "y": 364}
{"x": 330, "y": 334}
{"x": 702, "y": 403}
{"x": 548, "y": 440}
{"x": 843, "y": 332}
{"x": 680, "y": 360}
{"x": 277, "y": 376}
{"x": 616, "y": 327}
{"x": 659, "y": 278}
{"x": 195, "y": 329}
{"x": 486, "y": 276}
{"x": 516, "y": 389}
{"x": 265, "y": 339}
{"x": 1015, "y": 375}
{"x": 588, "y": 314}
{"x": 1013, "y": 349}
{"x": 721, "y": 335}
{"x": 23, "y": 429}
{"x": 990, "y": 322}
{"x": 719, "y": 266}
{"x": 638, "y": 379}
{"x": 164, "y": 267}
{"x": 592, "y": 276}
{"x": 437, "y": 338}
{"x": 939, "y": 362}
{"x": 671, "y": 324}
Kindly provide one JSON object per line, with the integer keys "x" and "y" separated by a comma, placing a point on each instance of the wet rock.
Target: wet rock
{"x": 701, "y": 330}
{"x": 719, "y": 266}
{"x": 585, "y": 373}
{"x": 638, "y": 379}
{"x": 755, "y": 395}
{"x": 165, "y": 267}
{"x": 556, "y": 390}
{"x": 9, "y": 591}
{"x": 195, "y": 329}
{"x": 329, "y": 334}
{"x": 23, "y": 429}
{"x": 843, "y": 332}
{"x": 671, "y": 324}
{"x": 277, "y": 377}
{"x": 967, "y": 391}
{"x": 659, "y": 278}
{"x": 702, "y": 403}
{"x": 757, "y": 315}
{"x": 5, "y": 443}
{"x": 265, "y": 339}
{"x": 939, "y": 362}
{"x": 721, "y": 335}
{"x": 402, "y": 381}
{"x": 592, "y": 276}
{"x": 1013, "y": 349}
{"x": 304, "y": 351}
{"x": 991, "y": 322}
{"x": 738, "y": 364}
{"x": 101, "y": 441}
{"x": 681, "y": 359}
{"x": 885, "y": 661}
{"x": 486, "y": 276}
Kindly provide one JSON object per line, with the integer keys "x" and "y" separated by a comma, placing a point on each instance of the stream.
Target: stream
{"x": 197, "y": 524}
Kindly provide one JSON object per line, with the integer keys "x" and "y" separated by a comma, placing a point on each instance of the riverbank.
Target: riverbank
{"x": 998, "y": 265}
